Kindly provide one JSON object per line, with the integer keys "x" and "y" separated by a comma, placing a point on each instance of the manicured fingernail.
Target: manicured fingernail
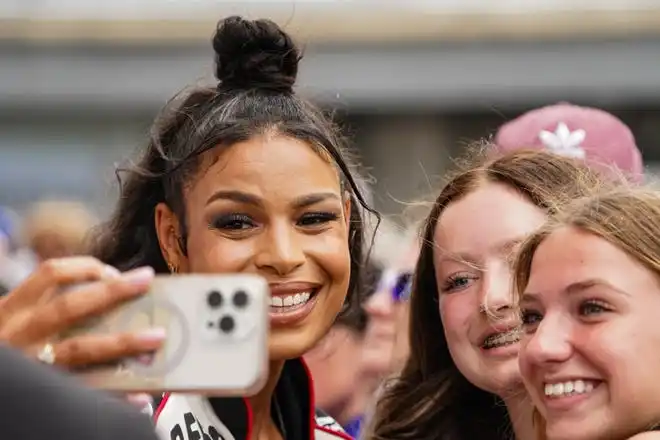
{"x": 153, "y": 334}
{"x": 142, "y": 275}
{"x": 140, "y": 400}
{"x": 111, "y": 272}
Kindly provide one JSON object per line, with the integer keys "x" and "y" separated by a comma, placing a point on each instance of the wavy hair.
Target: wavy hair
{"x": 256, "y": 68}
{"x": 431, "y": 399}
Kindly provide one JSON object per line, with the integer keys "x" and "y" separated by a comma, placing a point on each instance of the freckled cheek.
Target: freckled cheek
{"x": 611, "y": 350}
{"x": 612, "y": 356}
{"x": 456, "y": 313}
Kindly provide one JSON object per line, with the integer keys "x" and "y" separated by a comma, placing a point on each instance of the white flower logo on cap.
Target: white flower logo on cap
{"x": 564, "y": 141}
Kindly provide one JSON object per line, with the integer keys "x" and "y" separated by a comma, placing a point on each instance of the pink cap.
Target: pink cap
{"x": 601, "y": 139}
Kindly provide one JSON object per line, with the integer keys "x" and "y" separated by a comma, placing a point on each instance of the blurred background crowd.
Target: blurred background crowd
{"x": 411, "y": 82}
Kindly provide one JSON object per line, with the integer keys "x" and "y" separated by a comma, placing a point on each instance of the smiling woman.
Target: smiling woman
{"x": 282, "y": 215}
{"x": 590, "y": 299}
{"x": 461, "y": 380}
{"x": 247, "y": 177}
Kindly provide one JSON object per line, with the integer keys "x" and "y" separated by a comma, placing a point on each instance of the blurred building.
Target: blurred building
{"x": 414, "y": 81}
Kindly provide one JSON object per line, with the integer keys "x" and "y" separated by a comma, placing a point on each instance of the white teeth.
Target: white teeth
{"x": 501, "y": 339}
{"x": 291, "y": 300}
{"x": 568, "y": 388}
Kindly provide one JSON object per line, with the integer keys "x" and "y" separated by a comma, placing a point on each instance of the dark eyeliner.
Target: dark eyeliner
{"x": 318, "y": 217}
{"x": 230, "y": 221}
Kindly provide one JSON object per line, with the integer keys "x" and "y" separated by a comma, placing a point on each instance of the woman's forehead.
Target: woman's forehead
{"x": 263, "y": 166}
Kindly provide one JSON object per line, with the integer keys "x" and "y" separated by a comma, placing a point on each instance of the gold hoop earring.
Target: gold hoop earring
{"x": 172, "y": 268}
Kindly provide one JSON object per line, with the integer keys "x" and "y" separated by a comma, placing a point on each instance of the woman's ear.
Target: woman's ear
{"x": 167, "y": 229}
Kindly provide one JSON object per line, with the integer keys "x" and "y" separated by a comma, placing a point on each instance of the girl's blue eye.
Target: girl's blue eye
{"x": 458, "y": 282}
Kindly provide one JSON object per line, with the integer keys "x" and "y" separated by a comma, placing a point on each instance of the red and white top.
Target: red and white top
{"x": 195, "y": 417}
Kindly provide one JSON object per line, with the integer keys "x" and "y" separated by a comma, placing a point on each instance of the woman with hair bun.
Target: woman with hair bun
{"x": 247, "y": 177}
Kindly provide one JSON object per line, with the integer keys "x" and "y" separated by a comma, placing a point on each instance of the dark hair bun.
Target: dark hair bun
{"x": 254, "y": 55}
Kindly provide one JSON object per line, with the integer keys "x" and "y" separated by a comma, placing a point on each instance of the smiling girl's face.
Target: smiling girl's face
{"x": 475, "y": 239}
{"x": 590, "y": 351}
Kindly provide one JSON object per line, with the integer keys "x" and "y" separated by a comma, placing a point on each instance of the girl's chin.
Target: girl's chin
{"x": 505, "y": 382}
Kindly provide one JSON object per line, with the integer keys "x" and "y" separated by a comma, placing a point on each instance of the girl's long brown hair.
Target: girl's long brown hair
{"x": 431, "y": 399}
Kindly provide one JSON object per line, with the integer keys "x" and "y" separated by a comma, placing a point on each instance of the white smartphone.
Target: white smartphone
{"x": 217, "y": 337}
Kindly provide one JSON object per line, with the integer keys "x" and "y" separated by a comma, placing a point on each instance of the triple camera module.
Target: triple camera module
{"x": 226, "y": 312}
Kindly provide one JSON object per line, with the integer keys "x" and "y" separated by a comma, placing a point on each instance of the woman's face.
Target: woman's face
{"x": 475, "y": 239}
{"x": 385, "y": 346}
{"x": 270, "y": 206}
{"x": 590, "y": 350}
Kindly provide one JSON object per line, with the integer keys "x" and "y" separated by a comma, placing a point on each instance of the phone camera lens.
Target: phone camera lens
{"x": 214, "y": 299}
{"x": 226, "y": 324}
{"x": 240, "y": 299}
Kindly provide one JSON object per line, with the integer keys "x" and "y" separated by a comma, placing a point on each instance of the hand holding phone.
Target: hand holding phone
{"x": 35, "y": 313}
{"x": 216, "y": 344}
